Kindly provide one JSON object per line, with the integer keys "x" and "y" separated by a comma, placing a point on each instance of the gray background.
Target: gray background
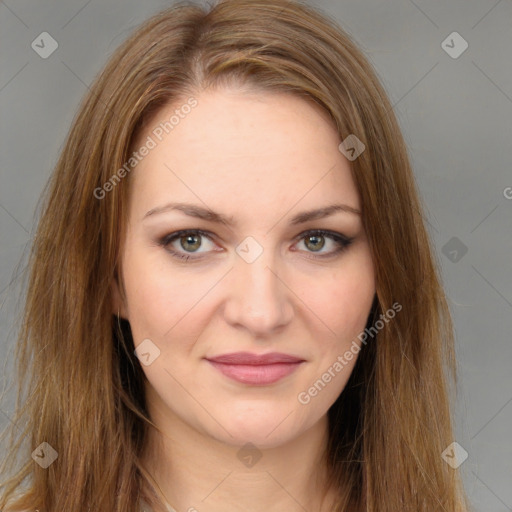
{"x": 456, "y": 115}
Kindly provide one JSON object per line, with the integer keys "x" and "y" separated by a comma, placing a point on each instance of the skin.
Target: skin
{"x": 261, "y": 158}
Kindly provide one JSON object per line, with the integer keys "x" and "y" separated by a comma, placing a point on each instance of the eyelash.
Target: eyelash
{"x": 342, "y": 241}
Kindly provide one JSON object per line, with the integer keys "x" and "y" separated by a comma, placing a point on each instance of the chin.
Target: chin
{"x": 268, "y": 430}
{"x": 260, "y": 439}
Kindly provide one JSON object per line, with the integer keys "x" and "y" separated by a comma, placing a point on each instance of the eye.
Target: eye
{"x": 188, "y": 240}
{"x": 315, "y": 241}
{"x": 191, "y": 240}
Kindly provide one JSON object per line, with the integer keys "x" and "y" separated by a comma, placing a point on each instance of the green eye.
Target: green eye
{"x": 192, "y": 240}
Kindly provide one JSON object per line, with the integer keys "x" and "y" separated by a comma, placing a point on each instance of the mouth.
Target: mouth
{"x": 254, "y": 369}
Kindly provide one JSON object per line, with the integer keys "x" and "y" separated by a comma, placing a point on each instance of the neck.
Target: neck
{"x": 196, "y": 472}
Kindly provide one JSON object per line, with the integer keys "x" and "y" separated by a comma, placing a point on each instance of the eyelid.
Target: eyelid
{"x": 342, "y": 241}
{"x": 171, "y": 237}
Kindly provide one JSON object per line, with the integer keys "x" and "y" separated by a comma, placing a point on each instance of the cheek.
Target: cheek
{"x": 163, "y": 302}
{"x": 342, "y": 298}
{"x": 157, "y": 300}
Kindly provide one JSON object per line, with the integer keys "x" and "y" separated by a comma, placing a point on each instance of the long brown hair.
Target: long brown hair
{"x": 85, "y": 394}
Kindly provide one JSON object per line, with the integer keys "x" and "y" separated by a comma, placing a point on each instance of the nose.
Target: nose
{"x": 258, "y": 298}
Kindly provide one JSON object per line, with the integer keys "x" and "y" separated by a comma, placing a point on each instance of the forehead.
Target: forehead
{"x": 237, "y": 149}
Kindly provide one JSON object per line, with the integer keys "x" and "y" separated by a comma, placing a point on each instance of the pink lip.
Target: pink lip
{"x": 256, "y": 369}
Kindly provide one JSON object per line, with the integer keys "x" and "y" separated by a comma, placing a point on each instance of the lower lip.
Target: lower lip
{"x": 256, "y": 374}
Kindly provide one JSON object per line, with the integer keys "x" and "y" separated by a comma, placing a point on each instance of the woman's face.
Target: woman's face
{"x": 264, "y": 283}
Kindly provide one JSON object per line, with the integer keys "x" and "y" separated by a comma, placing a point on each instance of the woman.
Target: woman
{"x": 233, "y": 303}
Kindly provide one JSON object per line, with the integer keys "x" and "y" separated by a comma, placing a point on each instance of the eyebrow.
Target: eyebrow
{"x": 199, "y": 212}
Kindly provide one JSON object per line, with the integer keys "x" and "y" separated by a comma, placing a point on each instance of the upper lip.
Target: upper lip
{"x": 249, "y": 358}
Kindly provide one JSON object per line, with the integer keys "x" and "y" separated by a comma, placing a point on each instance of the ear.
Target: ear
{"x": 118, "y": 303}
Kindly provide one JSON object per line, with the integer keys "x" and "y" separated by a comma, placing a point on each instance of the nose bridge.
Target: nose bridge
{"x": 259, "y": 300}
